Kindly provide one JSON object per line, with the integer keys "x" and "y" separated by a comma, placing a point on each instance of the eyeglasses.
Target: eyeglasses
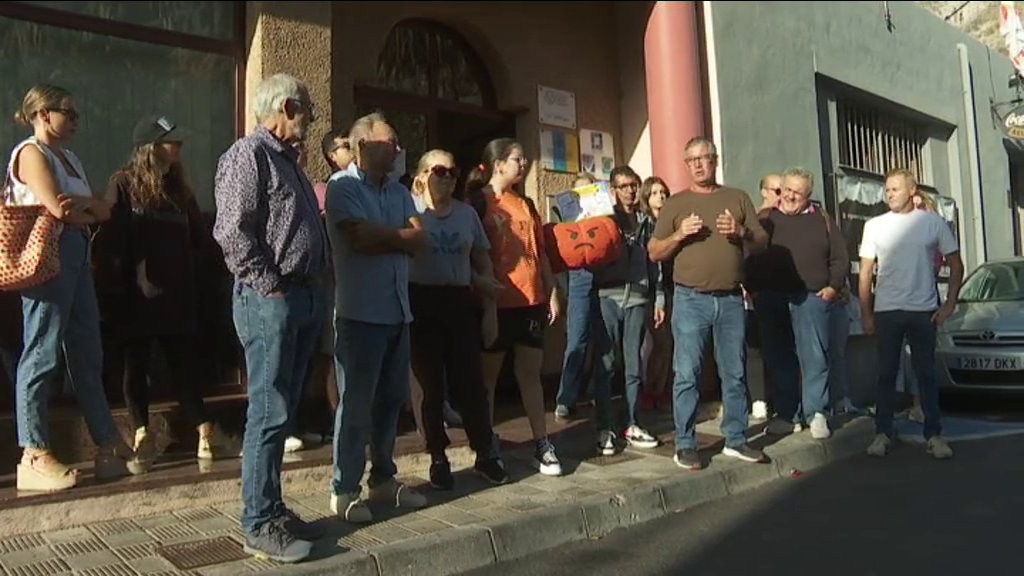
{"x": 305, "y": 104}
{"x": 703, "y": 158}
{"x": 627, "y": 186}
{"x": 70, "y": 113}
{"x": 444, "y": 171}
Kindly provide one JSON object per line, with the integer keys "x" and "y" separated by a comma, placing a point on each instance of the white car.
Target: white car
{"x": 981, "y": 346}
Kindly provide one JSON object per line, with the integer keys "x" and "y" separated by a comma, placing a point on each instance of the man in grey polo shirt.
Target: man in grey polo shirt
{"x": 373, "y": 228}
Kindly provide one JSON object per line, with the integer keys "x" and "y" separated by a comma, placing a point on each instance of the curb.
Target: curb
{"x": 458, "y": 550}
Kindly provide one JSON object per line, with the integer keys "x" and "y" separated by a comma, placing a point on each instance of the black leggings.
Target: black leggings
{"x": 180, "y": 355}
{"x": 446, "y": 351}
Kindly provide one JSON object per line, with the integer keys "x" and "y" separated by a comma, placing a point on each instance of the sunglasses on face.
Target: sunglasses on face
{"x": 444, "y": 172}
{"x": 69, "y": 113}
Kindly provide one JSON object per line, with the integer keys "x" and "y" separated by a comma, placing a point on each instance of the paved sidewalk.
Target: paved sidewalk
{"x": 473, "y": 526}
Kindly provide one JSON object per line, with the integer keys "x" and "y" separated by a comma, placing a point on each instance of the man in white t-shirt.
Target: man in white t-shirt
{"x": 904, "y": 243}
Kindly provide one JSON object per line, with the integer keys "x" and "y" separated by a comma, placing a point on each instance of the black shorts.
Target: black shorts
{"x": 521, "y": 327}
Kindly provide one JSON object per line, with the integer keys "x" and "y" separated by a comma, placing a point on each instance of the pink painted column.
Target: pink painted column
{"x": 675, "y": 105}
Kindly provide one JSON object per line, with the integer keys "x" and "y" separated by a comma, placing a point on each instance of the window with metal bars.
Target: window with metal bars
{"x": 874, "y": 141}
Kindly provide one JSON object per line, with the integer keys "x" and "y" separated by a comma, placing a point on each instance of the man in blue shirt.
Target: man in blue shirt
{"x": 374, "y": 228}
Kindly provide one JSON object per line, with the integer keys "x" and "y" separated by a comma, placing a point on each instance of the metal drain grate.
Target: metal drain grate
{"x": 200, "y": 553}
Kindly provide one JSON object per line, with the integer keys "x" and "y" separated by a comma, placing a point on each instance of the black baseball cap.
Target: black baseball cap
{"x": 154, "y": 129}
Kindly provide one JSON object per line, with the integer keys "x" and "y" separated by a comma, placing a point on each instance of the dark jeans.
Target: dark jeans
{"x": 180, "y": 355}
{"x": 804, "y": 359}
{"x": 279, "y": 335}
{"x": 446, "y": 343}
{"x": 891, "y": 328}
{"x": 582, "y": 308}
{"x": 618, "y": 329}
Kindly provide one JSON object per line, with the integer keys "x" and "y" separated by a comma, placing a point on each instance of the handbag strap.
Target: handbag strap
{"x": 7, "y": 192}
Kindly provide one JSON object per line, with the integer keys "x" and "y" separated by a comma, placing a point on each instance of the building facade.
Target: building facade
{"x": 844, "y": 89}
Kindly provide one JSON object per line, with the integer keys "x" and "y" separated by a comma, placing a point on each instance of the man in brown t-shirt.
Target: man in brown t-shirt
{"x": 704, "y": 231}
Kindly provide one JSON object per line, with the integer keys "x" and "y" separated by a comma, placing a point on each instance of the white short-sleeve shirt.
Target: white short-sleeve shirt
{"x": 904, "y": 246}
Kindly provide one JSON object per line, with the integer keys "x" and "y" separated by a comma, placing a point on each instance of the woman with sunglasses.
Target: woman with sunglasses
{"x": 528, "y": 303}
{"x": 446, "y": 331}
{"x": 61, "y": 314}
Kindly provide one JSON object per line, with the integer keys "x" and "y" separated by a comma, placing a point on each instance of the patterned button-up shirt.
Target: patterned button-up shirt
{"x": 268, "y": 223}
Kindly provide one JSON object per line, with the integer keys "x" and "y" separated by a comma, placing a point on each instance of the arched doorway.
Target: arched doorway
{"x": 436, "y": 92}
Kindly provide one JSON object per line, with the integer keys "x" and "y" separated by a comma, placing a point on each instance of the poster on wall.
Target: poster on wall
{"x": 559, "y": 151}
{"x": 597, "y": 153}
{"x": 585, "y": 202}
{"x": 556, "y": 107}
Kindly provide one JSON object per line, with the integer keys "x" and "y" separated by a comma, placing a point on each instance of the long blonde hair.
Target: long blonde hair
{"x": 39, "y": 97}
{"x": 146, "y": 180}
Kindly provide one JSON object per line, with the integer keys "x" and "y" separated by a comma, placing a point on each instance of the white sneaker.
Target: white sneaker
{"x": 145, "y": 452}
{"x": 293, "y": 444}
{"x": 545, "y": 460}
{"x": 398, "y": 495}
{"x": 606, "y": 443}
{"x": 880, "y": 446}
{"x": 640, "y": 438}
{"x": 916, "y": 414}
{"x": 938, "y": 448}
{"x": 759, "y": 410}
{"x": 351, "y": 508}
{"x": 819, "y": 427}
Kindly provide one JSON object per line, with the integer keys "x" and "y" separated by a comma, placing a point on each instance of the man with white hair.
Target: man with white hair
{"x": 274, "y": 242}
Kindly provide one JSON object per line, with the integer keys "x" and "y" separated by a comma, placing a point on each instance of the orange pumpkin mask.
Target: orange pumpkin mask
{"x": 583, "y": 244}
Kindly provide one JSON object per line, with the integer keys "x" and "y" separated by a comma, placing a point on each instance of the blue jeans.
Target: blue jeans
{"x": 618, "y": 329}
{"x": 63, "y": 313}
{"x": 839, "y": 334}
{"x": 279, "y": 336}
{"x": 696, "y": 317}
{"x": 375, "y": 361}
{"x": 582, "y": 308}
{"x": 890, "y": 329}
{"x": 804, "y": 359}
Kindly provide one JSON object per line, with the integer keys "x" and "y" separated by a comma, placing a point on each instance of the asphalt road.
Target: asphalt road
{"x": 907, "y": 514}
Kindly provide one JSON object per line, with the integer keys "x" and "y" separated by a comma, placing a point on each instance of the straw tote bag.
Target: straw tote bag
{"x": 29, "y": 243}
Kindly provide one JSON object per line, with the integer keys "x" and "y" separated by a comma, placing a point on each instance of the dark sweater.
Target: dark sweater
{"x": 805, "y": 254}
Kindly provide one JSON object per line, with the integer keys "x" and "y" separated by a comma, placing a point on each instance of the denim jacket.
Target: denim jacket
{"x": 632, "y": 279}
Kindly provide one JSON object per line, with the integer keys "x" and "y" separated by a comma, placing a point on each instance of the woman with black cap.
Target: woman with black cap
{"x": 154, "y": 239}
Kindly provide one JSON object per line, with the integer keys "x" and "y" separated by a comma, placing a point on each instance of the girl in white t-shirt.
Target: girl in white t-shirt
{"x": 60, "y": 314}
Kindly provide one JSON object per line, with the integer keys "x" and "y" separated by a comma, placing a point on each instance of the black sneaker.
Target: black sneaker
{"x": 441, "y": 475}
{"x": 301, "y": 529}
{"x": 274, "y": 542}
{"x": 493, "y": 470}
{"x": 688, "y": 458}
{"x": 745, "y": 453}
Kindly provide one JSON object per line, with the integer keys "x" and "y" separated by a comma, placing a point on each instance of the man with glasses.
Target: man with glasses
{"x": 771, "y": 191}
{"x": 630, "y": 291}
{"x": 704, "y": 231}
{"x": 274, "y": 243}
{"x": 374, "y": 229}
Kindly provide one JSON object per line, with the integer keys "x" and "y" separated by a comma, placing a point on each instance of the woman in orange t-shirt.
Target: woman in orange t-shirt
{"x": 527, "y": 303}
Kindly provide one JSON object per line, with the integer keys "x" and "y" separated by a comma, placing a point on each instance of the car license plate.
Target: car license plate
{"x": 989, "y": 363}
